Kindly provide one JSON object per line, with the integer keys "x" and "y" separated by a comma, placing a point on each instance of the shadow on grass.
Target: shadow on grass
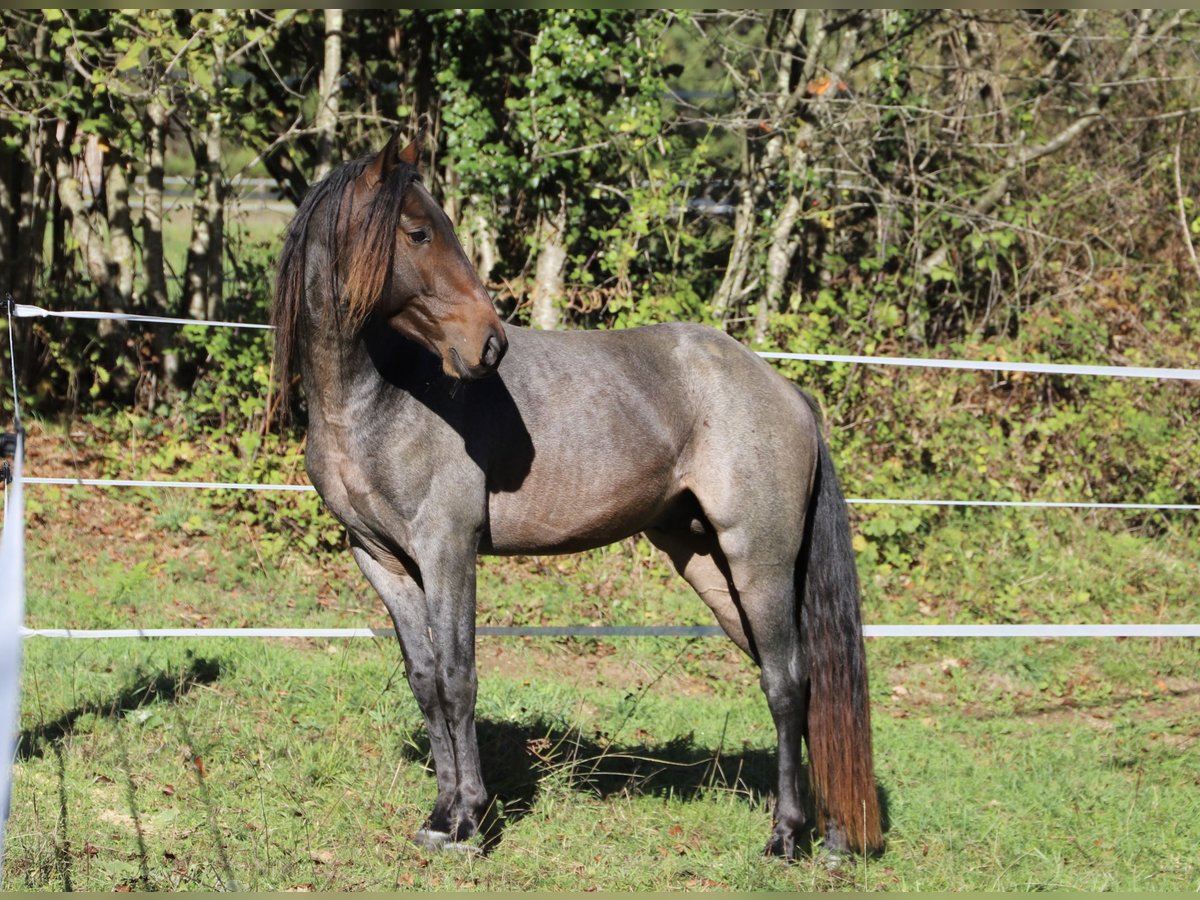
{"x": 144, "y": 690}
{"x": 520, "y": 759}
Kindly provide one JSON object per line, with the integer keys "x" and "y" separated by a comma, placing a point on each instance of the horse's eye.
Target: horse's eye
{"x": 420, "y": 236}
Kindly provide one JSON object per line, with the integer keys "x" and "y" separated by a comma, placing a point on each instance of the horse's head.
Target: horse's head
{"x": 406, "y": 267}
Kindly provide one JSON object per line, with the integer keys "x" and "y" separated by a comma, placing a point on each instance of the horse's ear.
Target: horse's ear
{"x": 386, "y": 160}
{"x": 412, "y": 153}
{"x": 392, "y": 154}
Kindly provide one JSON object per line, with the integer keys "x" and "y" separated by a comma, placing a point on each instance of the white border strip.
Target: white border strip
{"x": 926, "y": 631}
{"x": 995, "y": 365}
{"x": 859, "y": 501}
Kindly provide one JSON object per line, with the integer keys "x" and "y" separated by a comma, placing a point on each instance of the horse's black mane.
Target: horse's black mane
{"x": 368, "y": 259}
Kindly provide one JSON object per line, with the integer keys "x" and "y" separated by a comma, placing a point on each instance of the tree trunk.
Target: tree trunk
{"x": 89, "y": 238}
{"x": 745, "y": 223}
{"x": 120, "y": 235}
{"x": 215, "y": 198}
{"x": 204, "y": 278}
{"x": 195, "y": 275}
{"x": 757, "y": 169}
{"x": 787, "y": 114}
{"x": 28, "y": 186}
{"x": 214, "y": 290}
{"x": 779, "y": 262}
{"x": 327, "y": 108}
{"x": 11, "y": 165}
{"x": 156, "y": 299}
{"x": 551, "y": 264}
{"x": 483, "y": 238}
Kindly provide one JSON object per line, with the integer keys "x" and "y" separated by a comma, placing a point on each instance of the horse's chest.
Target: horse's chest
{"x": 389, "y": 495}
{"x": 358, "y": 495}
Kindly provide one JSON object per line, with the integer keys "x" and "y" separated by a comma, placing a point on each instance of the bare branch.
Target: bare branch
{"x": 1179, "y": 202}
{"x": 1018, "y": 161}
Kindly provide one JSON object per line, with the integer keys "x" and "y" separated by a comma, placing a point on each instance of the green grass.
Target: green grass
{"x": 313, "y": 770}
{"x": 629, "y": 764}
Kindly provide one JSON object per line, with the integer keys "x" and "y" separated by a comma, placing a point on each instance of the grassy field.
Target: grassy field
{"x": 620, "y": 764}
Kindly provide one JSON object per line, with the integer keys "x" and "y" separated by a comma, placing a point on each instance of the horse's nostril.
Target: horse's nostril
{"x": 492, "y": 352}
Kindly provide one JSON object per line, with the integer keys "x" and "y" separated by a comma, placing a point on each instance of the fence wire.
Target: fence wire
{"x": 935, "y": 630}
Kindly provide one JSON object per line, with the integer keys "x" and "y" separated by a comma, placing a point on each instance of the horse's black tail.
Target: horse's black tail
{"x": 838, "y": 730}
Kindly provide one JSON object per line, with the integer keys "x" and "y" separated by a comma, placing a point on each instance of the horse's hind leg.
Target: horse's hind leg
{"x": 767, "y": 599}
{"x": 756, "y": 607}
{"x": 700, "y": 561}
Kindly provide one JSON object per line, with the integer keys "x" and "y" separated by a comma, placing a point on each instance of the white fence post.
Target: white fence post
{"x": 12, "y": 614}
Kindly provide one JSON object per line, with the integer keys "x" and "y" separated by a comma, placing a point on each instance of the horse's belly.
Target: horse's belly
{"x": 574, "y": 514}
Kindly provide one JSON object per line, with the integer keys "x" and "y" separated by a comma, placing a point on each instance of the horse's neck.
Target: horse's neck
{"x": 338, "y": 380}
{"x": 346, "y": 385}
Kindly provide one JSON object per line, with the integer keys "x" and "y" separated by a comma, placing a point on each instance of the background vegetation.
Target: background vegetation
{"x": 1004, "y": 184}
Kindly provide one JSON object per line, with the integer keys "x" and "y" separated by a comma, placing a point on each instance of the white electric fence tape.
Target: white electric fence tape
{"x": 855, "y": 501}
{"x": 26, "y": 311}
{"x": 12, "y": 617}
{"x": 1031, "y": 631}
{"x": 195, "y": 485}
{"x": 989, "y": 365}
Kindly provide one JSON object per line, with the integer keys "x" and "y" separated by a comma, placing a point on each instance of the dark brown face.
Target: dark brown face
{"x": 423, "y": 285}
{"x": 439, "y": 301}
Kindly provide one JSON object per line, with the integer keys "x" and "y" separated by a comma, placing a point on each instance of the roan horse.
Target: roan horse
{"x": 574, "y": 440}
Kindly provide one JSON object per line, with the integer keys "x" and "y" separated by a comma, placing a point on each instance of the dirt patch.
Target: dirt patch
{"x": 1174, "y": 700}
{"x": 604, "y": 665}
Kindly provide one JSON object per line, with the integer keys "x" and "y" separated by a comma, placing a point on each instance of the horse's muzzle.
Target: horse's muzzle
{"x": 493, "y": 351}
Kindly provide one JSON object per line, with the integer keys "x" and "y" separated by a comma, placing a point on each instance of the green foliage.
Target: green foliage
{"x": 1074, "y": 265}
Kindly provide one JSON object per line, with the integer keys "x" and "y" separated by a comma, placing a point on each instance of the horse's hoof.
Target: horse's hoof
{"x": 782, "y": 846}
{"x": 430, "y": 839}
{"x": 832, "y": 859}
{"x": 438, "y": 841}
{"x": 835, "y": 842}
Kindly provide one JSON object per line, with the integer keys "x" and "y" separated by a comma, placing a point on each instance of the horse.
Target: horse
{"x": 436, "y": 432}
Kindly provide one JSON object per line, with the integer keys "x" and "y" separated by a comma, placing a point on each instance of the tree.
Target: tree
{"x": 557, "y": 130}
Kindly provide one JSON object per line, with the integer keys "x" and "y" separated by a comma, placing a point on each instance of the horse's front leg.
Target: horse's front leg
{"x": 436, "y": 628}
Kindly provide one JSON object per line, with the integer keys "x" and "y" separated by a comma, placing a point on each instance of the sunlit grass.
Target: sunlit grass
{"x": 620, "y": 764}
